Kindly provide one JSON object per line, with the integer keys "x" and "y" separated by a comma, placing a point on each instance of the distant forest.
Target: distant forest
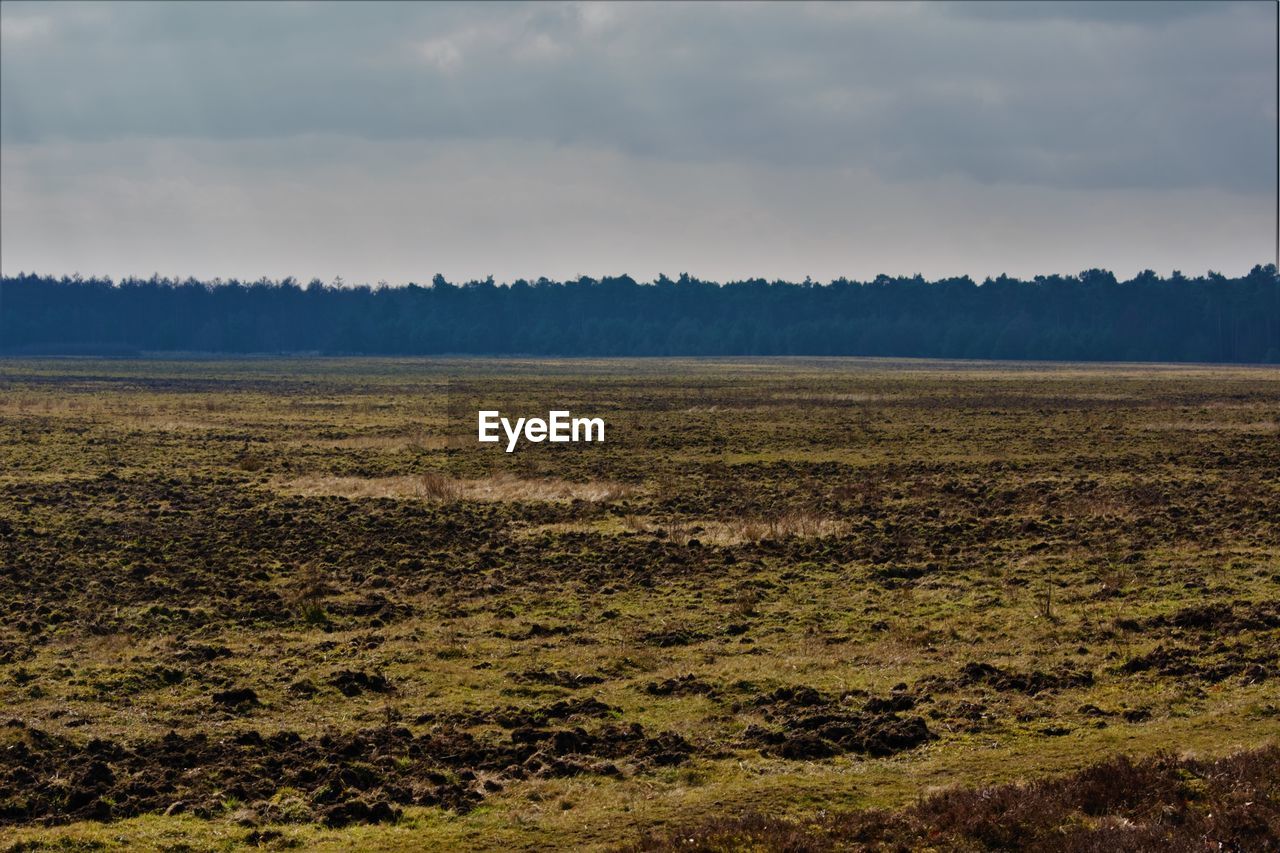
{"x": 1091, "y": 316}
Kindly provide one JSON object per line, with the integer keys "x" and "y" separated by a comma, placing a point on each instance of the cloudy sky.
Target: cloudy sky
{"x": 396, "y": 141}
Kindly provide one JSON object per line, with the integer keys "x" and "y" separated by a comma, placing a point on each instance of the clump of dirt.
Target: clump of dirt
{"x": 1220, "y": 618}
{"x": 201, "y": 653}
{"x": 684, "y": 685}
{"x": 342, "y": 778}
{"x": 807, "y": 724}
{"x": 1165, "y": 661}
{"x": 352, "y": 682}
{"x": 676, "y": 637}
{"x": 569, "y": 752}
{"x": 563, "y": 710}
{"x": 1030, "y": 683}
{"x": 237, "y": 699}
{"x": 512, "y": 717}
{"x": 538, "y": 630}
{"x": 556, "y": 678}
{"x": 964, "y": 716}
{"x": 11, "y": 652}
{"x": 1220, "y": 663}
{"x": 376, "y": 608}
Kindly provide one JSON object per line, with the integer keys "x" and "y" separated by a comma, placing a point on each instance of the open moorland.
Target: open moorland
{"x": 817, "y": 603}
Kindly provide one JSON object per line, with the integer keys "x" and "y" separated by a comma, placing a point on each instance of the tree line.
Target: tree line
{"x": 1090, "y": 316}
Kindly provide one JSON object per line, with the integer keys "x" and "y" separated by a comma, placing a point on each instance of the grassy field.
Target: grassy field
{"x": 290, "y": 603}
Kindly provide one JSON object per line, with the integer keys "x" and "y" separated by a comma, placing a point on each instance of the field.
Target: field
{"x": 291, "y": 604}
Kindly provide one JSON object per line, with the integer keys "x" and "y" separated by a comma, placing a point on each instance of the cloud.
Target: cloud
{"x": 1150, "y": 94}
{"x": 401, "y": 211}
{"x": 443, "y": 53}
{"x": 17, "y": 28}
{"x": 1139, "y": 12}
{"x": 394, "y": 140}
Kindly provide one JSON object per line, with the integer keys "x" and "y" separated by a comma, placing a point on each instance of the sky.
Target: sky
{"x": 393, "y": 142}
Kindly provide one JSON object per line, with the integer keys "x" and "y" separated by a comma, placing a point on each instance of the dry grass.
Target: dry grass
{"x": 376, "y": 442}
{"x": 714, "y": 532}
{"x": 438, "y": 487}
{"x": 181, "y": 563}
{"x": 1249, "y": 428}
{"x": 800, "y": 525}
{"x": 435, "y": 486}
{"x": 831, "y": 397}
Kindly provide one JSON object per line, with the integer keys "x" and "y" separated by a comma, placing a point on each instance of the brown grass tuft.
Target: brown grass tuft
{"x": 439, "y": 487}
{"x": 435, "y": 486}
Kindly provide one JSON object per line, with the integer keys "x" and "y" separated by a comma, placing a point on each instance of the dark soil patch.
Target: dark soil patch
{"x": 684, "y": 685}
{"x": 201, "y": 653}
{"x": 353, "y": 683}
{"x": 239, "y": 698}
{"x": 668, "y": 638}
{"x": 1024, "y": 682}
{"x": 538, "y": 630}
{"x": 513, "y": 717}
{"x": 1218, "y": 664}
{"x": 344, "y": 776}
{"x": 556, "y": 678}
{"x": 807, "y": 724}
{"x": 1222, "y": 618}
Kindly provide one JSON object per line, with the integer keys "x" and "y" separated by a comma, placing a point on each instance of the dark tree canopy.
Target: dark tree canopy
{"x": 1091, "y": 316}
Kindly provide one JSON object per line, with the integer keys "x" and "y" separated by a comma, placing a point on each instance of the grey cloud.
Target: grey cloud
{"x": 1109, "y": 11}
{"x": 781, "y": 140}
{"x": 402, "y": 210}
{"x": 1076, "y": 94}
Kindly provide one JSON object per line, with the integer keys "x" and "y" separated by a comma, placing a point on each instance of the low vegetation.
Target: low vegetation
{"x": 1157, "y": 804}
{"x": 802, "y": 604}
